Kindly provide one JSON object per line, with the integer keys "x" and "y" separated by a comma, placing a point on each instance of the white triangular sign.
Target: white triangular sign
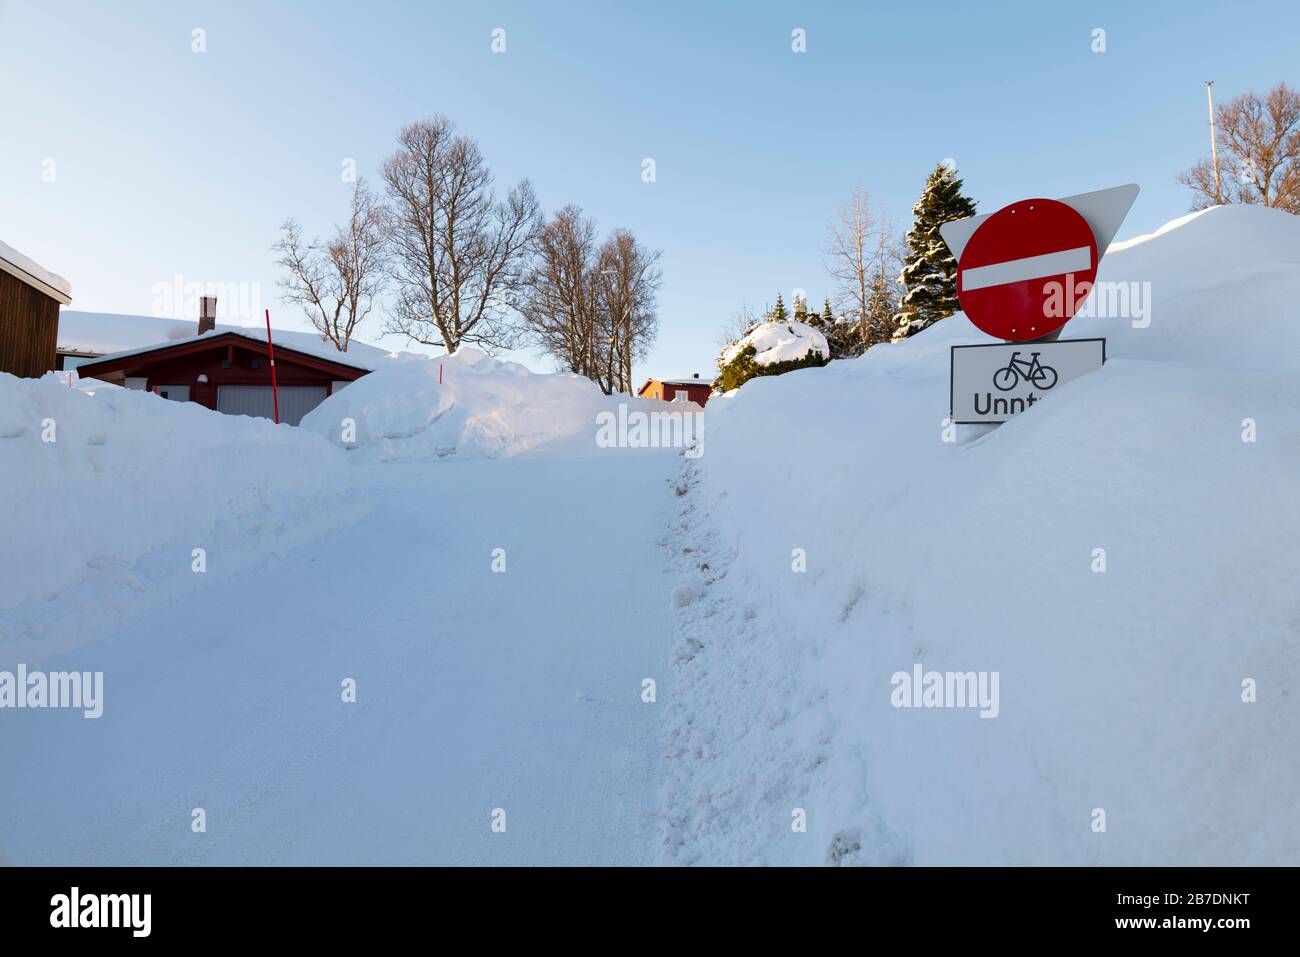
{"x": 1103, "y": 209}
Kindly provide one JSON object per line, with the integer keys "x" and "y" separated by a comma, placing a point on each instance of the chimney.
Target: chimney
{"x": 207, "y": 314}
{"x": 697, "y": 375}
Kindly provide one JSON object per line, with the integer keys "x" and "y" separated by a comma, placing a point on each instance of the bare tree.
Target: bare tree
{"x": 852, "y": 249}
{"x": 560, "y": 304}
{"x": 863, "y": 250}
{"x": 592, "y": 308}
{"x": 458, "y": 254}
{"x": 1261, "y": 144}
{"x": 336, "y": 283}
{"x": 628, "y": 301}
{"x": 886, "y": 286}
{"x": 738, "y": 325}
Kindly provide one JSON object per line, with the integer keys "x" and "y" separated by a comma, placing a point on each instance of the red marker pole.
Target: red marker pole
{"x": 270, "y": 352}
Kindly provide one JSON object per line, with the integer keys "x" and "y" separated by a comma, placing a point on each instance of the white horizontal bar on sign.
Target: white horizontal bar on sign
{"x": 1031, "y": 267}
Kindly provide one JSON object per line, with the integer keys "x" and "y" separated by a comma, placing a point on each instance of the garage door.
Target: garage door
{"x": 295, "y": 401}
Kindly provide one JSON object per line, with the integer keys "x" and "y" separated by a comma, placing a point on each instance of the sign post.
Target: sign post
{"x": 1022, "y": 274}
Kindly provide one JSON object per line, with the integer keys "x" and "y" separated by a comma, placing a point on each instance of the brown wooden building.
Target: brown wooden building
{"x": 230, "y": 372}
{"x": 30, "y": 299}
{"x": 694, "y": 390}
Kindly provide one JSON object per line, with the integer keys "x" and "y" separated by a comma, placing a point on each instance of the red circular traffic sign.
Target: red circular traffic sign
{"x": 1026, "y": 269}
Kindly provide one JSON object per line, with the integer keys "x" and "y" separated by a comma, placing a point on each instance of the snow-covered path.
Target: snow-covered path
{"x": 476, "y": 690}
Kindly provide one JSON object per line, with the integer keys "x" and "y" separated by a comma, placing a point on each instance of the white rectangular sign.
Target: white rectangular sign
{"x": 994, "y": 382}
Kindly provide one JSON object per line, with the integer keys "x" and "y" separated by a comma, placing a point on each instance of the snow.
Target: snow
{"x": 375, "y": 558}
{"x": 102, "y": 334}
{"x": 476, "y": 690}
{"x": 1119, "y": 690}
{"x": 1117, "y": 245}
{"x": 108, "y": 512}
{"x": 482, "y": 407}
{"x": 779, "y": 342}
{"x": 69, "y": 379}
{"x": 36, "y": 271}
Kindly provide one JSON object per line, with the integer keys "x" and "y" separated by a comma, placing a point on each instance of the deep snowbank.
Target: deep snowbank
{"x": 127, "y": 488}
{"x": 1119, "y": 690}
{"x": 467, "y": 405}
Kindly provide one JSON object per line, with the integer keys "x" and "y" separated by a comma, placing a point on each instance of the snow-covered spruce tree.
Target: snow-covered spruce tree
{"x": 800, "y": 309}
{"x": 930, "y": 271}
{"x": 843, "y": 333}
{"x": 823, "y": 322}
{"x": 778, "y": 313}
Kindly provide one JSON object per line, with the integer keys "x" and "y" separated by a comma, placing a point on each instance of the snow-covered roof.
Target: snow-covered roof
{"x": 684, "y": 380}
{"x": 30, "y": 272}
{"x": 331, "y": 355}
{"x": 109, "y": 334}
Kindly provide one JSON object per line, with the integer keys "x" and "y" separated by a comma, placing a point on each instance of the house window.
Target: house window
{"x": 680, "y": 395}
{"x": 177, "y": 393}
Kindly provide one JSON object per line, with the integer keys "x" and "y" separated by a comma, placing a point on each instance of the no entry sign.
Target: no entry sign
{"x": 1017, "y": 273}
{"x": 1008, "y": 261}
{"x": 1012, "y": 272}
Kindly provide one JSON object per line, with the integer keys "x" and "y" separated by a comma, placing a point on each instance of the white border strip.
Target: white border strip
{"x": 1031, "y": 267}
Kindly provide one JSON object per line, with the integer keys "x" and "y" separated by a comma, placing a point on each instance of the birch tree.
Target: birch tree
{"x": 852, "y": 248}
{"x": 336, "y": 283}
{"x": 459, "y": 255}
{"x": 592, "y": 308}
{"x": 864, "y": 251}
{"x": 560, "y": 306}
{"x": 1259, "y": 138}
{"x": 628, "y": 301}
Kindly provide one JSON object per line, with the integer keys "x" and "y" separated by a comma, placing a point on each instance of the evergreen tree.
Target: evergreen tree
{"x": 841, "y": 332}
{"x": 930, "y": 271}
{"x": 800, "y": 309}
{"x": 822, "y": 322}
{"x": 778, "y": 313}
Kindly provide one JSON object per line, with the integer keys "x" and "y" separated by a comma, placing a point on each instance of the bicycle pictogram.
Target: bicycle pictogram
{"x": 1030, "y": 370}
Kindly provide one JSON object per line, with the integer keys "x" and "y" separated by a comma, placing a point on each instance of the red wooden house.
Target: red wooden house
{"x": 693, "y": 389}
{"x": 230, "y": 372}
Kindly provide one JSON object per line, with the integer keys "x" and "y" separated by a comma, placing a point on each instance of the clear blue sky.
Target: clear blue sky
{"x": 169, "y": 162}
